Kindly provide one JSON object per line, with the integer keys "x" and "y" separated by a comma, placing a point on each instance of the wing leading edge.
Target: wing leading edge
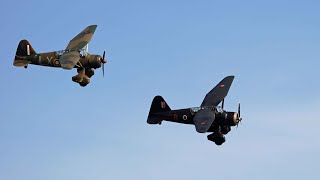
{"x": 205, "y": 117}
{"x": 69, "y": 59}
{"x": 82, "y": 39}
{"x": 218, "y": 93}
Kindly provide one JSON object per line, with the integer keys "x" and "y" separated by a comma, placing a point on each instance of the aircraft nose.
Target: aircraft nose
{"x": 97, "y": 62}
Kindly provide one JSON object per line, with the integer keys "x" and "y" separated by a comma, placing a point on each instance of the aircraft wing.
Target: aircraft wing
{"x": 204, "y": 119}
{"x": 218, "y": 93}
{"x": 82, "y": 39}
{"x": 69, "y": 59}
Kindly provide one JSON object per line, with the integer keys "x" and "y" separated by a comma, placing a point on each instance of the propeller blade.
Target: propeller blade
{"x": 104, "y": 54}
{"x": 103, "y": 69}
{"x": 239, "y": 109}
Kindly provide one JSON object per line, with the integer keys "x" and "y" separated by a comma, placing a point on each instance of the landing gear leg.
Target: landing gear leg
{"x": 217, "y": 137}
{"x": 79, "y": 77}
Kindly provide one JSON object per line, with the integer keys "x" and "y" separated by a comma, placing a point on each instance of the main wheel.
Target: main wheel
{"x": 84, "y": 82}
{"x": 220, "y": 140}
{"x": 77, "y": 79}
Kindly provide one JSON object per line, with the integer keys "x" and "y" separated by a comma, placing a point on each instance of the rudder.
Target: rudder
{"x": 158, "y": 105}
{"x": 24, "y": 49}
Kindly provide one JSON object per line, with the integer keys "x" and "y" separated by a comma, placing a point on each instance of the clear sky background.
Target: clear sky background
{"x": 51, "y": 128}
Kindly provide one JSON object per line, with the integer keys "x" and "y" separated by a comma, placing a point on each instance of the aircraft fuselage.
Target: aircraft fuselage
{"x": 186, "y": 116}
{"x": 51, "y": 59}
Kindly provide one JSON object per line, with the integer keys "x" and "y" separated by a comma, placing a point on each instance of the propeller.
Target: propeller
{"x": 103, "y": 61}
{"x": 239, "y": 117}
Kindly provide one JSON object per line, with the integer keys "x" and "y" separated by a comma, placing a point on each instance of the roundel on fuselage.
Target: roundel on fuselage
{"x": 56, "y": 63}
{"x": 184, "y": 117}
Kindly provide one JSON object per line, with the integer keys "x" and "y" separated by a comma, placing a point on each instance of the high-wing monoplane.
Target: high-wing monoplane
{"x": 74, "y": 56}
{"x": 209, "y": 117}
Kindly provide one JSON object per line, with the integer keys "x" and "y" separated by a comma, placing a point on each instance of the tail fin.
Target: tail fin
{"x": 24, "y": 49}
{"x": 158, "y": 105}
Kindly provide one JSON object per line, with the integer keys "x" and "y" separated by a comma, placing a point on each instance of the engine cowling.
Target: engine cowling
{"x": 227, "y": 118}
{"x": 94, "y": 61}
{"x": 231, "y": 118}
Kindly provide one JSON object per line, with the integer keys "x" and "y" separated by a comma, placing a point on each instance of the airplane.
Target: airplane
{"x": 74, "y": 56}
{"x": 209, "y": 117}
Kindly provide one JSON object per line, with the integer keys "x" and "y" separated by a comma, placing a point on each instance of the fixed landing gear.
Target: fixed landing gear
{"x": 225, "y": 129}
{"x": 81, "y": 78}
{"x": 85, "y": 81}
{"x": 26, "y": 66}
{"x": 217, "y": 138}
{"x": 88, "y": 71}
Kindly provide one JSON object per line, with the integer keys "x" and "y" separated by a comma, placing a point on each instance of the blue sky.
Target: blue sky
{"x": 51, "y": 128}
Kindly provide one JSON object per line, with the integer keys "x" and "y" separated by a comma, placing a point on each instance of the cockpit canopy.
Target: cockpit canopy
{"x": 82, "y": 52}
{"x": 217, "y": 108}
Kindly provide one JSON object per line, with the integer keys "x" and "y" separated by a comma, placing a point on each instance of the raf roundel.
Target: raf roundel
{"x": 56, "y": 62}
{"x": 185, "y": 117}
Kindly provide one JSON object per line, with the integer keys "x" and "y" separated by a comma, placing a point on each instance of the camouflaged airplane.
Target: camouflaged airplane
{"x": 209, "y": 117}
{"x": 74, "y": 56}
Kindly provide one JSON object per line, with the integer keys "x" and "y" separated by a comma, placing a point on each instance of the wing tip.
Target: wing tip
{"x": 92, "y": 26}
{"x": 231, "y": 77}
{"x": 200, "y": 130}
{"x": 66, "y": 66}
{"x": 228, "y": 79}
